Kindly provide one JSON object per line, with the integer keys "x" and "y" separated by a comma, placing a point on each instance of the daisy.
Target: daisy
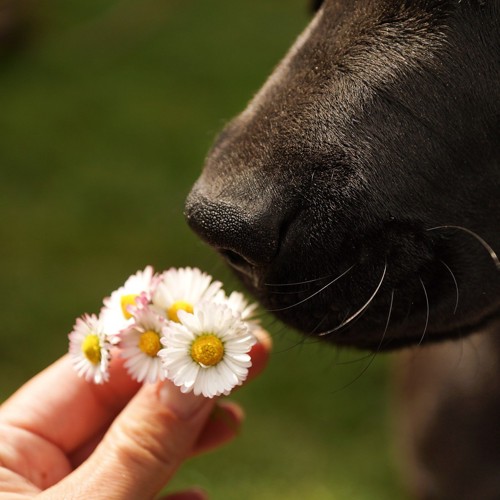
{"x": 207, "y": 351}
{"x": 182, "y": 289}
{"x": 140, "y": 343}
{"x": 89, "y": 349}
{"x": 239, "y": 304}
{"x": 117, "y": 312}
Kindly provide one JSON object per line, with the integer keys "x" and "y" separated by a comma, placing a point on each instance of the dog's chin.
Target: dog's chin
{"x": 382, "y": 288}
{"x": 371, "y": 296}
{"x": 338, "y": 312}
{"x": 382, "y": 314}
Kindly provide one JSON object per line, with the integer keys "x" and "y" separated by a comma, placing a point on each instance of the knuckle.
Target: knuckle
{"x": 143, "y": 446}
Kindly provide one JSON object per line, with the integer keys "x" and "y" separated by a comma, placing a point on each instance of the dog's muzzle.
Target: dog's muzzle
{"x": 247, "y": 239}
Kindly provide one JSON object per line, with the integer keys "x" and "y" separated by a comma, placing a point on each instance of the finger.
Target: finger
{"x": 148, "y": 441}
{"x": 222, "y": 426}
{"x": 143, "y": 447}
{"x": 225, "y": 421}
{"x": 260, "y": 358}
{"x": 30, "y": 457}
{"x": 192, "y": 494}
{"x": 260, "y": 353}
{"x": 13, "y": 486}
{"x": 73, "y": 414}
{"x": 66, "y": 410}
{"x": 78, "y": 456}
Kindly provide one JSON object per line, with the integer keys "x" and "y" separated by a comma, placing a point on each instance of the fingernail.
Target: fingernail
{"x": 184, "y": 405}
{"x": 264, "y": 338}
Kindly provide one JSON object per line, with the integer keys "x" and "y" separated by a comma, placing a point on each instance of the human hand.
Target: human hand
{"x": 61, "y": 437}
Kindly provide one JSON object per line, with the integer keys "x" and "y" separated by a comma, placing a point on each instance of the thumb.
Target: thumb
{"x": 143, "y": 447}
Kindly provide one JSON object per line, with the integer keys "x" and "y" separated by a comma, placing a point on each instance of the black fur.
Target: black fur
{"x": 372, "y": 155}
{"x": 383, "y": 124}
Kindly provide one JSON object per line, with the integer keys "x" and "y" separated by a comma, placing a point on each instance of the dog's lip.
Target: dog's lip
{"x": 241, "y": 265}
{"x": 236, "y": 260}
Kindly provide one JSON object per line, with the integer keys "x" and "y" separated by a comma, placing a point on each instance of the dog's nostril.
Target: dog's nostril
{"x": 247, "y": 237}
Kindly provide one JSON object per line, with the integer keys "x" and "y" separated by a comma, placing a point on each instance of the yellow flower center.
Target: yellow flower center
{"x": 125, "y": 301}
{"x": 180, "y": 305}
{"x": 149, "y": 343}
{"x": 207, "y": 349}
{"x": 91, "y": 348}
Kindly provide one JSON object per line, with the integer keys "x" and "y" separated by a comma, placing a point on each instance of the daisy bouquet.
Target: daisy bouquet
{"x": 178, "y": 324}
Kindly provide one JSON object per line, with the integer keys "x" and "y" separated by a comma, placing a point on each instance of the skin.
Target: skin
{"x": 65, "y": 438}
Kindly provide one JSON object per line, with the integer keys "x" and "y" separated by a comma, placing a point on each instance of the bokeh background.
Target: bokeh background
{"x": 107, "y": 109}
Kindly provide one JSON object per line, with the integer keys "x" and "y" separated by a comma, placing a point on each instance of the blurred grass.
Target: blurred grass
{"x": 105, "y": 118}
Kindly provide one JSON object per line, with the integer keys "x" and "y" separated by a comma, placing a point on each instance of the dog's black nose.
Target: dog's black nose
{"x": 246, "y": 237}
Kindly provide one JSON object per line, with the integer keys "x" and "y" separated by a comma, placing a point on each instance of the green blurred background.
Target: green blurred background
{"x": 107, "y": 108}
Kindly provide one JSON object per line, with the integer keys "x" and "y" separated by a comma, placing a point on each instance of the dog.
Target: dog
{"x": 364, "y": 179}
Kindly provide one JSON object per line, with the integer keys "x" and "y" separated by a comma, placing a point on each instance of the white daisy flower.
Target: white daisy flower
{"x": 207, "y": 352}
{"x": 140, "y": 343}
{"x": 239, "y": 304}
{"x": 89, "y": 349}
{"x": 182, "y": 290}
{"x": 117, "y": 312}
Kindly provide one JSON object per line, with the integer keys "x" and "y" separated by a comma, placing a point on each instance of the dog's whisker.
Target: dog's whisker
{"x": 353, "y": 361}
{"x": 287, "y": 292}
{"x": 305, "y": 282}
{"x": 381, "y": 339}
{"x": 281, "y": 332}
{"x": 316, "y": 328}
{"x": 377, "y": 351}
{"x": 315, "y": 340}
{"x": 488, "y": 247}
{"x": 361, "y": 309}
{"x": 456, "y": 284}
{"x": 261, "y": 314}
{"x": 298, "y": 344}
{"x": 427, "y": 312}
{"x": 315, "y": 293}
{"x": 275, "y": 328}
{"x": 391, "y": 304}
{"x": 388, "y": 320}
